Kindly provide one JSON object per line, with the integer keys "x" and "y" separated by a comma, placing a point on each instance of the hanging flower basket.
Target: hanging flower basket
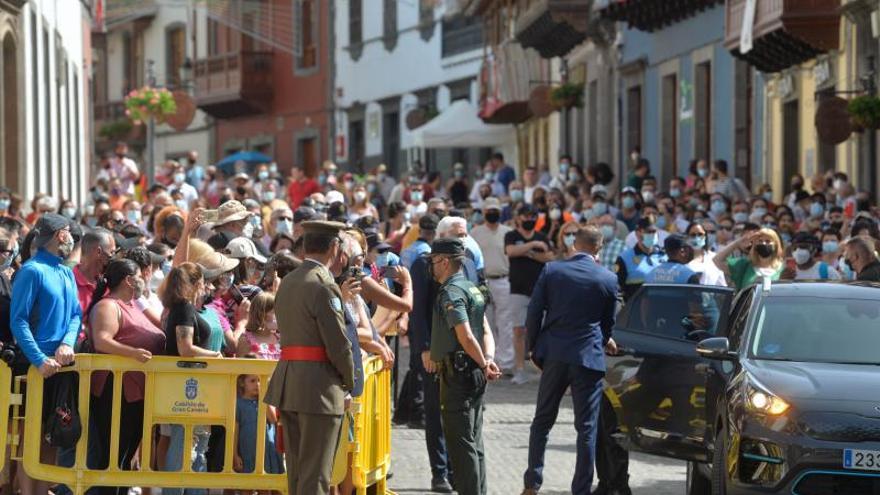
{"x": 864, "y": 112}
{"x": 568, "y": 95}
{"x": 149, "y": 103}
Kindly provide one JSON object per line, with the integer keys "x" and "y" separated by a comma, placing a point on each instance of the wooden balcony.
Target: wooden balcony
{"x": 651, "y": 15}
{"x": 553, "y": 27}
{"x": 785, "y": 32}
{"x": 234, "y": 84}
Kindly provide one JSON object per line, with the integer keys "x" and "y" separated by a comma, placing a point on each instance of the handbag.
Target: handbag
{"x": 61, "y": 423}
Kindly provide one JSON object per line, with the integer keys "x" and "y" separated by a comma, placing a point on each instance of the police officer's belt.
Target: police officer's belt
{"x": 304, "y": 353}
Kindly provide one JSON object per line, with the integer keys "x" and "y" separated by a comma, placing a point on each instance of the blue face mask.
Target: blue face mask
{"x": 661, "y": 222}
{"x": 607, "y": 232}
{"x": 4, "y": 204}
{"x": 697, "y": 241}
{"x": 649, "y": 240}
{"x": 568, "y": 240}
{"x": 6, "y": 264}
{"x": 718, "y": 207}
{"x": 263, "y": 175}
{"x": 759, "y": 212}
{"x": 516, "y": 195}
{"x": 563, "y": 169}
{"x": 817, "y": 209}
{"x": 703, "y": 173}
{"x": 600, "y": 208}
{"x": 740, "y": 217}
{"x": 675, "y": 192}
{"x": 768, "y": 196}
{"x": 829, "y": 247}
{"x": 628, "y": 202}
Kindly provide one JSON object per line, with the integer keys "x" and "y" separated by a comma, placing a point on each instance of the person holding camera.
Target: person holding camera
{"x": 462, "y": 349}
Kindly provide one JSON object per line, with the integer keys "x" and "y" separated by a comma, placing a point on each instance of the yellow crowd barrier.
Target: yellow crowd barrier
{"x": 193, "y": 393}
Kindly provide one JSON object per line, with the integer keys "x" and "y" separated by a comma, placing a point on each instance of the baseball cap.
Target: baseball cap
{"x": 629, "y": 190}
{"x": 491, "y": 204}
{"x": 675, "y": 242}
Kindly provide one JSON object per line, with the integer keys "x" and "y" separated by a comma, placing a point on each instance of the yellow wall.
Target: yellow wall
{"x": 844, "y": 74}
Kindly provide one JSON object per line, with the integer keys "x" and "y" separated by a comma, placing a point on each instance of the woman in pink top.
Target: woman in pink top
{"x": 118, "y": 327}
{"x": 260, "y": 338}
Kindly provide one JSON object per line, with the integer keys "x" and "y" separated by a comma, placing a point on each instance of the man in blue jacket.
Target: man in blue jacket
{"x": 569, "y": 322}
{"x": 45, "y": 315}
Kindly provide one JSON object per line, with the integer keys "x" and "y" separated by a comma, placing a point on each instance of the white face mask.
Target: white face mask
{"x": 801, "y": 256}
{"x": 284, "y": 226}
{"x": 248, "y": 230}
{"x": 360, "y": 196}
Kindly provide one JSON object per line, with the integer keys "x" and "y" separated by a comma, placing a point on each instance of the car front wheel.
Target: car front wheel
{"x": 696, "y": 482}
{"x": 719, "y": 464}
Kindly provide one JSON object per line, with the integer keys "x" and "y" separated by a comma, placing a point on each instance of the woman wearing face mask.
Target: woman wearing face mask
{"x": 565, "y": 240}
{"x": 831, "y": 252}
{"x": 360, "y": 204}
{"x": 251, "y": 262}
{"x": 703, "y": 256}
{"x": 118, "y": 327}
{"x": 764, "y": 259}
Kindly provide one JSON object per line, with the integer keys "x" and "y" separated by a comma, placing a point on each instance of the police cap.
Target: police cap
{"x": 675, "y": 242}
{"x": 448, "y": 246}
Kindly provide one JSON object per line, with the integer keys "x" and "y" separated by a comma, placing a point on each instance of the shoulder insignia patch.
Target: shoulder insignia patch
{"x": 336, "y": 304}
{"x": 616, "y": 268}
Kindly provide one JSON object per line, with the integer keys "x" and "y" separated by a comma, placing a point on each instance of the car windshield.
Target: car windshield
{"x": 814, "y": 329}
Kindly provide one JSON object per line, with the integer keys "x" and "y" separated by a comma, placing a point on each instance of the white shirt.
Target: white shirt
{"x": 813, "y": 273}
{"x": 127, "y": 172}
{"x": 709, "y": 273}
{"x": 491, "y": 243}
{"x": 188, "y": 192}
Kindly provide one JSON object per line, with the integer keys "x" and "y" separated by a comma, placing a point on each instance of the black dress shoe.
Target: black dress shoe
{"x": 440, "y": 485}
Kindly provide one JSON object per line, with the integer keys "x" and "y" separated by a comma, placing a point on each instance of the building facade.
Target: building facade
{"x": 263, "y": 72}
{"x": 397, "y": 65}
{"x": 45, "y": 92}
{"x": 147, "y": 43}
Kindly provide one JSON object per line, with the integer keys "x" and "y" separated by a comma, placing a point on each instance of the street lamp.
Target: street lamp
{"x": 186, "y": 72}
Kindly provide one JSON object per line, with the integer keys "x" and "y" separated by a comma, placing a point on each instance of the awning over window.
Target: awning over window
{"x": 781, "y": 33}
{"x": 651, "y": 15}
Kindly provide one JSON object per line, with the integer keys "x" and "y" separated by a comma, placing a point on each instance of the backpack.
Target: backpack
{"x": 61, "y": 422}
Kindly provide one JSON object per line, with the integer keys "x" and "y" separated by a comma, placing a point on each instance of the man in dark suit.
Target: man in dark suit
{"x": 569, "y": 324}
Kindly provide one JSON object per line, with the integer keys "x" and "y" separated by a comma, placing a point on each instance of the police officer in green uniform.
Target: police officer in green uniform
{"x": 462, "y": 346}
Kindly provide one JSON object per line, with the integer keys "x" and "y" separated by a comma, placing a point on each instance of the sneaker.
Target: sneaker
{"x": 441, "y": 485}
{"x": 521, "y": 377}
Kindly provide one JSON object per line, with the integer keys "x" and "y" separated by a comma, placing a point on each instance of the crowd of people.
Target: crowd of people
{"x": 189, "y": 263}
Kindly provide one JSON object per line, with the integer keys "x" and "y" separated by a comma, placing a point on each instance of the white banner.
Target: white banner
{"x": 748, "y": 24}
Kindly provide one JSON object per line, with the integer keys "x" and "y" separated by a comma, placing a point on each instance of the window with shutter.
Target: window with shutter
{"x": 389, "y": 24}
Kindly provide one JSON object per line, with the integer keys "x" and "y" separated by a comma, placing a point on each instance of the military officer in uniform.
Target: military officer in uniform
{"x": 311, "y": 383}
{"x": 462, "y": 347}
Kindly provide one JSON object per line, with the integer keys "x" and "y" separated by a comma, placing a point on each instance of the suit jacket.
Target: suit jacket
{"x": 572, "y": 312}
{"x": 309, "y": 311}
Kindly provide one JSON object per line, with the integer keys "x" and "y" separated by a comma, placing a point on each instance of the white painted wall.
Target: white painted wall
{"x": 414, "y": 64}
{"x": 168, "y": 142}
{"x": 63, "y": 175}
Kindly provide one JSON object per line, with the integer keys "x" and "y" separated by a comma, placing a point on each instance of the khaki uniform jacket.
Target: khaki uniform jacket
{"x": 309, "y": 311}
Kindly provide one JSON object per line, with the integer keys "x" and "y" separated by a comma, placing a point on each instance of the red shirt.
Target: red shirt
{"x": 297, "y": 191}
{"x": 84, "y": 290}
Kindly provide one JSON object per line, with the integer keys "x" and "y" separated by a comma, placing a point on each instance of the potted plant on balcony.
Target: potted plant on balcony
{"x": 567, "y": 95}
{"x": 864, "y": 112}
{"x": 148, "y": 103}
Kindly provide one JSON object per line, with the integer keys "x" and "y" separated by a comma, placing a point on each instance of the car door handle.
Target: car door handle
{"x": 704, "y": 369}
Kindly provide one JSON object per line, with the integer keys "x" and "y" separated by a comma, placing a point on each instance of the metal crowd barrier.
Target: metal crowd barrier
{"x": 190, "y": 393}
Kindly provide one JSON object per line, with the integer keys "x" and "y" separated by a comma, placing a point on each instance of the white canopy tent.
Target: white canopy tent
{"x": 459, "y": 126}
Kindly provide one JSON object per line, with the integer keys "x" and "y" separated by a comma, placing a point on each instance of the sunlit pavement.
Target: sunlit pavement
{"x": 509, "y": 412}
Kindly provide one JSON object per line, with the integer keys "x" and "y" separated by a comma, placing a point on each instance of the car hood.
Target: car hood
{"x": 821, "y": 386}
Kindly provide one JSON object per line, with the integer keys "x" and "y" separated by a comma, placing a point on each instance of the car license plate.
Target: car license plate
{"x": 861, "y": 459}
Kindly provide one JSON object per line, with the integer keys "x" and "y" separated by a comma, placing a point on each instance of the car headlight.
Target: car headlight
{"x": 763, "y": 401}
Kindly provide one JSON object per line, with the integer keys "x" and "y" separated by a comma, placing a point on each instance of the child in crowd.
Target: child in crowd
{"x": 246, "y": 413}
{"x": 261, "y": 333}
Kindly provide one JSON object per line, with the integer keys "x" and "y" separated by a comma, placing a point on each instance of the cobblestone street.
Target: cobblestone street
{"x": 509, "y": 413}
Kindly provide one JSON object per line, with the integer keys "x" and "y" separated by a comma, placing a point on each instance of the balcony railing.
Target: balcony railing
{"x": 784, "y": 32}
{"x": 234, "y": 84}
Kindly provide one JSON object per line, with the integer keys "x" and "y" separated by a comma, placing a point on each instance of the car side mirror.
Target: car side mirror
{"x": 716, "y": 348}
